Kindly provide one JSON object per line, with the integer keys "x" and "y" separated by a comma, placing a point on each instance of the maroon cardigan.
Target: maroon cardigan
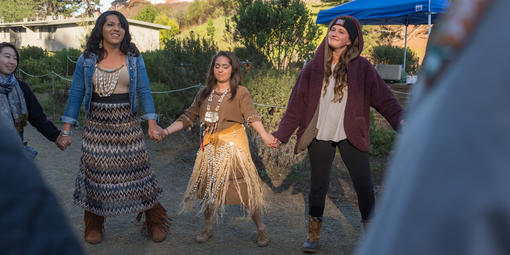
{"x": 365, "y": 89}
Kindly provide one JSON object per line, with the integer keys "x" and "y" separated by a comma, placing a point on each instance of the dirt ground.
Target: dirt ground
{"x": 172, "y": 162}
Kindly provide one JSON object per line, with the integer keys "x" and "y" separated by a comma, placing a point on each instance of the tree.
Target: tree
{"x": 90, "y": 6}
{"x": 227, "y": 5}
{"x": 16, "y": 10}
{"x": 166, "y": 34}
{"x": 281, "y": 30}
{"x": 147, "y": 14}
{"x": 56, "y": 7}
{"x": 210, "y": 29}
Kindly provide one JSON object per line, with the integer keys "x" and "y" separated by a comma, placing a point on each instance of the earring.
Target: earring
{"x": 101, "y": 44}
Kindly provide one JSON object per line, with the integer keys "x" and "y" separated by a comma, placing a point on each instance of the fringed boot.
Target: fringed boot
{"x": 311, "y": 245}
{"x": 157, "y": 223}
{"x": 93, "y": 227}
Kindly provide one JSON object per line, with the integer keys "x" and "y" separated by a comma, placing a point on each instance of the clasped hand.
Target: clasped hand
{"x": 63, "y": 142}
{"x": 270, "y": 141}
{"x": 156, "y": 133}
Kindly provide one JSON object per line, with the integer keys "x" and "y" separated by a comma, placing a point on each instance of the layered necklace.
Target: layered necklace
{"x": 106, "y": 80}
{"x": 213, "y": 116}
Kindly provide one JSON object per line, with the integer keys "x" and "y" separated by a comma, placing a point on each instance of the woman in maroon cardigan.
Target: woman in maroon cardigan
{"x": 330, "y": 106}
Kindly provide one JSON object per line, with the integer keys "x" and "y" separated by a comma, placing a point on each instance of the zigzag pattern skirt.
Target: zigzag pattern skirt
{"x": 115, "y": 176}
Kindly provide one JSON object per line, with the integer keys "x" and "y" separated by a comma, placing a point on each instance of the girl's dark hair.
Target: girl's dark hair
{"x": 96, "y": 36}
{"x": 235, "y": 77}
{"x": 6, "y": 44}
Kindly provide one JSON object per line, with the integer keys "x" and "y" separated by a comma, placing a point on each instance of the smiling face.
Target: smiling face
{"x": 222, "y": 69}
{"x": 8, "y": 61}
{"x": 338, "y": 37}
{"x": 113, "y": 32}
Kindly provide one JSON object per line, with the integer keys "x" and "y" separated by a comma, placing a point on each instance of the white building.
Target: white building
{"x": 57, "y": 33}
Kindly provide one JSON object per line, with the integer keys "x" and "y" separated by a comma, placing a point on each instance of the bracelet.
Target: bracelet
{"x": 66, "y": 133}
{"x": 166, "y": 131}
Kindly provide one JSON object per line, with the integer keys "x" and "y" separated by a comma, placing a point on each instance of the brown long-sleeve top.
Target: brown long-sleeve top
{"x": 239, "y": 110}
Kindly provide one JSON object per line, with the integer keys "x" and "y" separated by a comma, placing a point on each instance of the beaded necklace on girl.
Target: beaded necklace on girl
{"x": 213, "y": 117}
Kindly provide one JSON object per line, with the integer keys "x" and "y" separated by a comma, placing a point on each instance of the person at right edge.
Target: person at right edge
{"x": 330, "y": 105}
{"x": 447, "y": 187}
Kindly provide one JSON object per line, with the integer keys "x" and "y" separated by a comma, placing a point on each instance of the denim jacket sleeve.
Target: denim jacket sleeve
{"x": 76, "y": 94}
{"x": 144, "y": 91}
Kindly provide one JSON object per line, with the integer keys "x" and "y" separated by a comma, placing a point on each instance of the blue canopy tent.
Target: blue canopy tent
{"x": 394, "y": 12}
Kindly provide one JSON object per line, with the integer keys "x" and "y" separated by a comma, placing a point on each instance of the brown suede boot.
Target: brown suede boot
{"x": 157, "y": 222}
{"x": 93, "y": 227}
{"x": 311, "y": 245}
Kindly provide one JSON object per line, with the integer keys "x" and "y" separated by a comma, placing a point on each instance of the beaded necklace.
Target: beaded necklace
{"x": 213, "y": 117}
{"x": 106, "y": 80}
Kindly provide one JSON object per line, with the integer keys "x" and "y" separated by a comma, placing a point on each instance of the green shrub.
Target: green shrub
{"x": 393, "y": 55}
{"x": 32, "y": 52}
{"x": 147, "y": 14}
{"x": 170, "y": 105}
{"x": 50, "y": 89}
{"x": 166, "y": 34}
{"x": 281, "y": 30}
{"x": 381, "y": 139}
{"x": 64, "y": 61}
{"x": 271, "y": 87}
{"x": 253, "y": 56}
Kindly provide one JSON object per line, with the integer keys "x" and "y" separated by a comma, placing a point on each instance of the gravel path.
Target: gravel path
{"x": 172, "y": 162}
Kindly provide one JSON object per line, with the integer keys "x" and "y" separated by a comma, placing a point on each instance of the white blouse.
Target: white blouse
{"x": 331, "y": 114}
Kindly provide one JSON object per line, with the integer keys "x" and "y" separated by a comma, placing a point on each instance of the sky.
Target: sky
{"x": 107, "y": 3}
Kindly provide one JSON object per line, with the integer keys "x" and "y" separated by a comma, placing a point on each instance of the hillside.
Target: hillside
{"x": 417, "y": 35}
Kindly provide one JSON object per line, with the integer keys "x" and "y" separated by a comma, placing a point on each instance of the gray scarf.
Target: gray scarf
{"x": 12, "y": 103}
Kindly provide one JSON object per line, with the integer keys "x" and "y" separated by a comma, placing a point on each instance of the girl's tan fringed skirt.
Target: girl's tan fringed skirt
{"x": 224, "y": 173}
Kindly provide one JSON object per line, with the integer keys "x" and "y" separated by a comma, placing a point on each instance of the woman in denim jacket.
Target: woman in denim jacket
{"x": 115, "y": 176}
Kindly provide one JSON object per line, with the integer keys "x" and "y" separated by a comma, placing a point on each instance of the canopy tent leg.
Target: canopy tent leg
{"x": 430, "y": 18}
{"x": 405, "y": 43}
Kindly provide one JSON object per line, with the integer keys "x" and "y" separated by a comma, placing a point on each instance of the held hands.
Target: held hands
{"x": 270, "y": 141}
{"x": 156, "y": 133}
{"x": 63, "y": 142}
{"x": 276, "y": 143}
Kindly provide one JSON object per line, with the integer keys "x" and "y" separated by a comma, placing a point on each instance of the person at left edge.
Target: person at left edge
{"x": 115, "y": 175}
{"x": 31, "y": 219}
{"x": 18, "y": 103}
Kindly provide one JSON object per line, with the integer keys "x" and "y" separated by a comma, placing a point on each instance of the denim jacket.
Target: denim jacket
{"x": 82, "y": 87}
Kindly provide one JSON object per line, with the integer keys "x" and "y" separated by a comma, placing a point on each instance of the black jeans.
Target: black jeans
{"x": 321, "y": 155}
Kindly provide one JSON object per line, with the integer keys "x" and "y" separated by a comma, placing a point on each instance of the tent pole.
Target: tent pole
{"x": 405, "y": 43}
{"x": 430, "y": 18}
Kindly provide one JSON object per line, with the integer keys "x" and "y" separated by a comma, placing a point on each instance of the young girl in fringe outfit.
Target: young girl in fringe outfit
{"x": 330, "y": 104}
{"x": 224, "y": 172}
{"x": 115, "y": 176}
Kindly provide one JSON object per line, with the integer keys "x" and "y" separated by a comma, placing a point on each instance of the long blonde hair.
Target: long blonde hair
{"x": 340, "y": 70}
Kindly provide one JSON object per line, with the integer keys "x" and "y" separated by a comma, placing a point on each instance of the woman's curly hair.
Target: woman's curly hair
{"x": 96, "y": 36}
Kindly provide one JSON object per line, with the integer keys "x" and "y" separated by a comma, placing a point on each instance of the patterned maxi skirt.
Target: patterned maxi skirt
{"x": 115, "y": 176}
{"x": 224, "y": 173}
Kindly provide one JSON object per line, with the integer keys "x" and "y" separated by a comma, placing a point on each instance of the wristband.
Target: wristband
{"x": 66, "y": 132}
